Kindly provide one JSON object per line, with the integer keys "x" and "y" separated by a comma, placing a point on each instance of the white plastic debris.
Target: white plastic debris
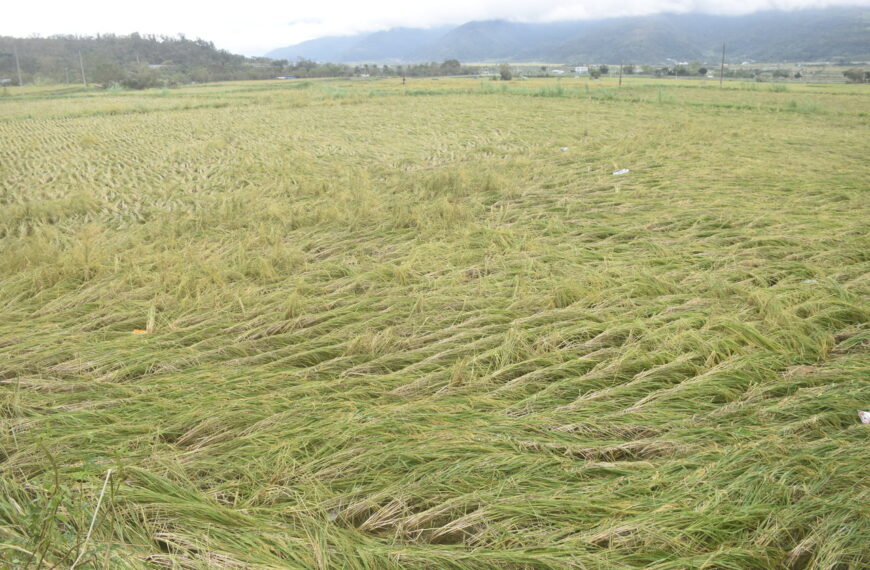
{"x": 865, "y": 417}
{"x": 564, "y": 148}
{"x": 621, "y": 172}
{"x": 809, "y": 281}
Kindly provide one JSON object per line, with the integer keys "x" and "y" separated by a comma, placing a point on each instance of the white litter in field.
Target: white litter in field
{"x": 332, "y": 514}
{"x": 809, "y": 281}
{"x": 564, "y": 148}
{"x": 865, "y": 417}
{"x": 621, "y": 172}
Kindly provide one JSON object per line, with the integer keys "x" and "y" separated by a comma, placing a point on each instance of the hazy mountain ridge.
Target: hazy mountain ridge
{"x": 800, "y": 35}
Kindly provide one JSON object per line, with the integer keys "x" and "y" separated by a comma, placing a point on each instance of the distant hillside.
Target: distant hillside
{"x": 135, "y": 59}
{"x": 841, "y": 33}
{"x": 327, "y": 48}
{"x": 378, "y": 46}
{"x": 495, "y": 39}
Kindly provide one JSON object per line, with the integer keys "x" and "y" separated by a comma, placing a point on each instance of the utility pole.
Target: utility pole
{"x": 620, "y": 73}
{"x": 722, "y": 67}
{"x": 17, "y": 64}
{"x": 82, "y": 65}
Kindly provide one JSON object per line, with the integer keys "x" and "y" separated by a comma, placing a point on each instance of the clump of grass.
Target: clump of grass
{"x": 300, "y": 85}
{"x": 566, "y": 294}
{"x": 803, "y": 107}
{"x": 551, "y": 91}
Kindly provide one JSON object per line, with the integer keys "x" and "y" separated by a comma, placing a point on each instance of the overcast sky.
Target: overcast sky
{"x": 254, "y": 27}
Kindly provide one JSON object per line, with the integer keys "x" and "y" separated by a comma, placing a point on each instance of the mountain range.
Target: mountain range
{"x": 837, "y": 33}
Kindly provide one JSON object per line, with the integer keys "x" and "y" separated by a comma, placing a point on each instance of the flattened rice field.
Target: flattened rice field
{"x": 337, "y": 324}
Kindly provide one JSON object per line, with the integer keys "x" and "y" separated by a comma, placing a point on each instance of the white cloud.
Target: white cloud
{"x": 256, "y": 26}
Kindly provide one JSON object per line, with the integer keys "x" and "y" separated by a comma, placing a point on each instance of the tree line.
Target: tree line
{"x": 139, "y": 61}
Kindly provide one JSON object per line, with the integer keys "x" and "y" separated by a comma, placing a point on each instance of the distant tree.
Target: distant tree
{"x": 594, "y": 73}
{"x": 780, "y": 73}
{"x": 504, "y": 72}
{"x": 854, "y": 75}
{"x": 798, "y": 75}
{"x": 141, "y": 77}
{"x": 175, "y": 79}
{"x": 107, "y": 73}
{"x": 603, "y": 69}
{"x": 702, "y": 71}
{"x": 628, "y": 69}
{"x": 451, "y": 67}
{"x": 305, "y": 65}
{"x": 200, "y": 74}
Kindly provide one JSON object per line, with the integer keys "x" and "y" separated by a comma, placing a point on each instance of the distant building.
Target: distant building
{"x": 580, "y": 70}
{"x": 558, "y": 72}
{"x": 286, "y": 77}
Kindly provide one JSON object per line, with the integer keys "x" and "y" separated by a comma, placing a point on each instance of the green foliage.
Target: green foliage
{"x": 110, "y": 58}
{"x": 107, "y": 74}
{"x": 856, "y": 75}
{"x": 451, "y": 67}
{"x": 504, "y": 72}
{"x": 552, "y": 91}
{"x": 142, "y": 77}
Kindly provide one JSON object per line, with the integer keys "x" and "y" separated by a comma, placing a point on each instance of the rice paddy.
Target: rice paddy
{"x": 359, "y": 325}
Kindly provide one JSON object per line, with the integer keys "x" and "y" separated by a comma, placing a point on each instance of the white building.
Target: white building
{"x": 581, "y": 70}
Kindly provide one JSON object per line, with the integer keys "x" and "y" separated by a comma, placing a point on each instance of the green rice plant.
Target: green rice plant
{"x": 557, "y": 91}
{"x": 323, "y": 324}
